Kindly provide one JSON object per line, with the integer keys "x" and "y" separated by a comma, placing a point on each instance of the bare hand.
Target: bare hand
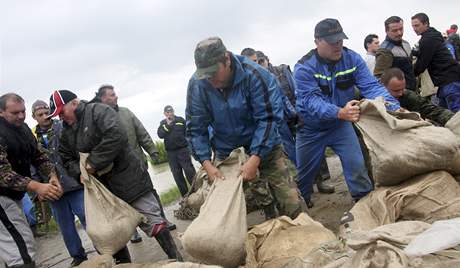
{"x": 350, "y": 112}
{"x": 55, "y": 181}
{"x": 212, "y": 171}
{"x": 90, "y": 169}
{"x": 249, "y": 169}
{"x": 45, "y": 191}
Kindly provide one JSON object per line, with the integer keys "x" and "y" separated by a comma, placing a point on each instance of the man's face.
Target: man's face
{"x": 396, "y": 87}
{"x": 419, "y": 27}
{"x": 374, "y": 45}
{"x": 395, "y": 31}
{"x": 332, "y": 52}
{"x": 253, "y": 57}
{"x": 14, "y": 113}
{"x": 41, "y": 116}
{"x": 221, "y": 79}
{"x": 68, "y": 113}
{"x": 169, "y": 115}
{"x": 110, "y": 98}
{"x": 263, "y": 62}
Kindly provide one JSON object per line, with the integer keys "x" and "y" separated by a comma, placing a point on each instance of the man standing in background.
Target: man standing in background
{"x": 371, "y": 44}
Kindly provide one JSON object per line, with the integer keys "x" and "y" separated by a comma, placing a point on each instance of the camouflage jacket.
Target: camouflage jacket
{"x": 18, "y": 151}
{"x": 415, "y": 103}
{"x": 138, "y": 137}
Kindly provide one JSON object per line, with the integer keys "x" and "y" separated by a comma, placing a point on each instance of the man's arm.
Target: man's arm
{"x": 425, "y": 55}
{"x": 415, "y": 103}
{"x": 163, "y": 130}
{"x": 8, "y": 177}
{"x": 197, "y": 121}
{"x": 69, "y": 156}
{"x": 383, "y": 61}
{"x": 143, "y": 137}
{"x": 113, "y": 138}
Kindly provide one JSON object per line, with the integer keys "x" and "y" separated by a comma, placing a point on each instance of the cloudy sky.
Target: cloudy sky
{"x": 145, "y": 47}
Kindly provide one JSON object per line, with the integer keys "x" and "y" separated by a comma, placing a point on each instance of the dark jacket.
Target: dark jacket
{"x": 395, "y": 54}
{"x": 415, "y": 103}
{"x": 48, "y": 141}
{"x": 173, "y": 134}
{"x": 18, "y": 151}
{"x": 246, "y": 114}
{"x": 434, "y": 55}
{"x": 98, "y": 131}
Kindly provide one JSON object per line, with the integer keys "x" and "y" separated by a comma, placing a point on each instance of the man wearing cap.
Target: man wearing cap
{"x": 138, "y": 138}
{"x": 71, "y": 204}
{"x": 18, "y": 151}
{"x": 172, "y": 130}
{"x": 395, "y": 52}
{"x": 241, "y": 101}
{"x": 95, "y": 128}
{"x": 326, "y": 78}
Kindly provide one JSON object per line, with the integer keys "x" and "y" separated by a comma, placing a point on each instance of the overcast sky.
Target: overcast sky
{"x": 145, "y": 48}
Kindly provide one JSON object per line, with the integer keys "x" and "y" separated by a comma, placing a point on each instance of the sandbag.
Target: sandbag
{"x": 110, "y": 221}
{"x": 218, "y": 234}
{"x": 280, "y": 241}
{"x": 429, "y": 197}
{"x": 454, "y": 124}
{"x": 166, "y": 264}
{"x": 402, "y": 145}
{"x": 427, "y": 88}
{"x": 99, "y": 261}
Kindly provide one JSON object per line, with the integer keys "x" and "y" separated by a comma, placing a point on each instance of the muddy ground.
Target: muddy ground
{"x": 328, "y": 210}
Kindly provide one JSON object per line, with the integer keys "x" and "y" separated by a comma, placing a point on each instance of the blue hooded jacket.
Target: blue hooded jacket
{"x": 323, "y": 88}
{"x": 245, "y": 114}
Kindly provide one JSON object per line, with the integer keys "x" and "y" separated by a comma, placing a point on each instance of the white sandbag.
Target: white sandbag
{"x": 441, "y": 235}
{"x": 110, "y": 221}
{"x": 454, "y": 124}
{"x": 427, "y": 88}
{"x": 402, "y": 145}
{"x": 218, "y": 234}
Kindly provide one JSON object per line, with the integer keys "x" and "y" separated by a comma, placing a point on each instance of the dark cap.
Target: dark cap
{"x": 207, "y": 55}
{"x": 58, "y": 99}
{"x": 39, "y": 104}
{"x": 168, "y": 108}
{"x": 330, "y": 30}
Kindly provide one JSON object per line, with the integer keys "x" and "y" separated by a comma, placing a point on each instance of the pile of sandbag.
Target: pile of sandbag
{"x": 106, "y": 261}
{"x": 454, "y": 124}
{"x": 428, "y": 198}
{"x": 110, "y": 221}
{"x": 280, "y": 241}
{"x": 402, "y": 145}
{"x": 218, "y": 234}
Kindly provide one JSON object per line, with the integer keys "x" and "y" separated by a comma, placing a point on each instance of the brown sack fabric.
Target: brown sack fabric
{"x": 402, "y": 145}
{"x": 430, "y": 197}
{"x": 280, "y": 241}
{"x": 110, "y": 221}
{"x": 217, "y": 235}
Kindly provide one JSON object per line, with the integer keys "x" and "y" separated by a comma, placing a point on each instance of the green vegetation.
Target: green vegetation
{"x": 170, "y": 196}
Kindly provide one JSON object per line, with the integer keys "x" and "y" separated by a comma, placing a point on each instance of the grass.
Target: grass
{"x": 51, "y": 227}
{"x": 170, "y": 196}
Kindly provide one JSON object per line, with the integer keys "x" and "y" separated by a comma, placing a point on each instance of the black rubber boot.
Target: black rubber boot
{"x": 168, "y": 245}
{"x": 122, "y": 256}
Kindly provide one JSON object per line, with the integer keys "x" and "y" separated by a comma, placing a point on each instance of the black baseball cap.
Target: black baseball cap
{"x": 58, "y": 99}
{"x": 330, "y": 30}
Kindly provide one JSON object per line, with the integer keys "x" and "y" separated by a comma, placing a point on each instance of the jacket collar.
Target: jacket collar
{"x": 397, "y": 43}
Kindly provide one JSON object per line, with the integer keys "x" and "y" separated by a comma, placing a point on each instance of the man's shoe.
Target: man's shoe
{"x": 324, "y": 188}
{"x": 171, "y": 226}
{"x": 77, "y": 261}
{"x": 309, "y": 203}
{"x": 136, "y": 238}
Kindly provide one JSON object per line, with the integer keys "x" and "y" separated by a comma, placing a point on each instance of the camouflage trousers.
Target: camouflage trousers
{"x": 275, "y": 184}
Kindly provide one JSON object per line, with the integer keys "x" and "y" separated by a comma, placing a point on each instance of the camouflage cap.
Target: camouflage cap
{"x": 207, "y": 55}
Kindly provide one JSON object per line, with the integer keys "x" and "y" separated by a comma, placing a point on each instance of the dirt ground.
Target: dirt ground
{"x": 328, "y": 210}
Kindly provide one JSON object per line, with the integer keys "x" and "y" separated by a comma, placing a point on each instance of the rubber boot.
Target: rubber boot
{"x": 122, "y": 256}
{"x": 171, "y": 226}
{"x": 168, "y": 245}
{"x": 323, "y": 187}
{"x": 136, "y": 237}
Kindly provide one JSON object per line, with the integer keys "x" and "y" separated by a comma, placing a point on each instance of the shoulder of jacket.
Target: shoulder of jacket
{"x": 307, "y": 57}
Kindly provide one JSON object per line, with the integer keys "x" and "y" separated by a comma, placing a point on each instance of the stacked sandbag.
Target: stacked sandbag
{"x": 428, "y": 198}
{"x": 280, "y": 241}
{"x": 402, "y": 145}
{"x": 218, "y": 234}
{"x": 110, "y": 221}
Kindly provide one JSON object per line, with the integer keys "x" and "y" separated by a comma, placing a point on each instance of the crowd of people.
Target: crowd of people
{"x": 285, "y": 121}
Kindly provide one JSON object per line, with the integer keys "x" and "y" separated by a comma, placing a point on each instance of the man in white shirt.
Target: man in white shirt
{"x": 371, "y": 44}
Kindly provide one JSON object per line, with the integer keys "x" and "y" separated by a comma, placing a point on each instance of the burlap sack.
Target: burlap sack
{"x": 279, "y": 241}
{"x": 454, "y": 124}
{"x": 430, "y": 197}
{"x": 402, "y": 145}
{"x": 110, "y": 222}
{"x": 427, "y": 87}
{"x": 217, "y": 235}
{"x": 99, "y": 261}
{"x": 166, "y": 264}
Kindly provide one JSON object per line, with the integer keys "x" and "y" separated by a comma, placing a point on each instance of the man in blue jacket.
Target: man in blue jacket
{"x": 241, "y": 101}
{"x": 325, "y": 79}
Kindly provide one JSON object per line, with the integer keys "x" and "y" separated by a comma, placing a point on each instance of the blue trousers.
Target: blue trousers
{"x": 310, "y": 148}
{"x": 288, "y": 141}
{"x": 65, "y": 209}
{"x": 29, "y": 210}
{"x": 449, "y": 96}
